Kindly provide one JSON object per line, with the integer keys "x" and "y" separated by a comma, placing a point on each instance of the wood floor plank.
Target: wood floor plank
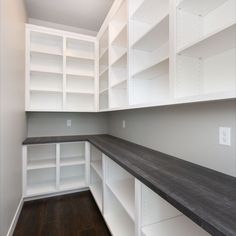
{"x": 69, "y": 215}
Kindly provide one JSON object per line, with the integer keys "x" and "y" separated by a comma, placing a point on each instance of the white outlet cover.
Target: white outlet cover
{"x": 123, "y": 124}
{"x": 225, "y": 136}
{"x": 68, "y": 123}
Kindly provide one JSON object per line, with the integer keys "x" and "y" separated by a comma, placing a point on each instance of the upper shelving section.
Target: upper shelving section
{"x": 60, "y": 70}
{"x": 149, "y": 51}
{"x": 206, "y": 49}
{"x": 118, "y": 62}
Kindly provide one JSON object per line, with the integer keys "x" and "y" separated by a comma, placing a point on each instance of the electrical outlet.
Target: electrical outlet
{"x": 225, "y": 136}
{"x": 68, "y": 123}
{"x": 123, "y": 124}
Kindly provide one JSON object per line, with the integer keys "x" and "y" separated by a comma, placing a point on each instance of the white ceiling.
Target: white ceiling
{"x": 86, "y": 14}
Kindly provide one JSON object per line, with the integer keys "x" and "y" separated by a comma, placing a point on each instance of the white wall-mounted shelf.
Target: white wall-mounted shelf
{"x": 60, "y": 61}
{"x": 169, "y": 52}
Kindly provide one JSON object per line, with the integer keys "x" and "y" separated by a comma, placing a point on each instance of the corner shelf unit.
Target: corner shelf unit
{"x": 60, "y": 71}
{"x": 52, "y": 168}
{"x": 129, "y": 207}
{"x": 147, "y": 53}
{"x": 170, "y": 52}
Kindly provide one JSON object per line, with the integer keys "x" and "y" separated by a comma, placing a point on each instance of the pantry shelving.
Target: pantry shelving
{"x": 205, "y": 56}
{"x": 96, "y": 176}
{"x": 51, "y": 168}
{"x": 104, "y": 71}
{"x": 63, "y": 63}
{"x": 147, "y": 53}
{"x": 118, "y": 57}
{"x": 128, "y": 206}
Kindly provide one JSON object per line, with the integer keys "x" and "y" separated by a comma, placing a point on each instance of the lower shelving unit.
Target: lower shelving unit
{"x": 178, "y": 226}
{"x": 53, "y": 168}
{"x": 129, "y": 207}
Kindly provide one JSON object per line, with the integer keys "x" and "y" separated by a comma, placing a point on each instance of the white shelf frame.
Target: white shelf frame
{"x": 64, "y": 55}
{"x": 55, "y": 163}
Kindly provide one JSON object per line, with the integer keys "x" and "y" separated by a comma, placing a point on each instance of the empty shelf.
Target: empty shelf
{"x": 200, "y": 7}
{"x": 41, "y": 164}
{"x": 155, "y": 37}
{"x": 212, "y": 44}
{"x": 97, "y": 166}
{"x": 177, "y": 226}
{"x": 124, "y": 192}
{"x": 71, "y": 161}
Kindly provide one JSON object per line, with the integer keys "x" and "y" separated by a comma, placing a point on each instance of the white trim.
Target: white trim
{"x": 61, "y": 193}
{"x": 15, "y": 218}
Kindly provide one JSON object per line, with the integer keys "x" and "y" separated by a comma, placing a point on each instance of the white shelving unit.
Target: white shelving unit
{"x": 52, "y": 168}
{"x": 149, "y": 51}
{"x": 129, "y": 207}
{"x": 104, "y": 71}
{"x": 206, "y": 49}
{"x": 158, "y": 217}
{"x": 118, "y": 57}
{"x": 61, "y": 70}
{"x": 96, "y": 176}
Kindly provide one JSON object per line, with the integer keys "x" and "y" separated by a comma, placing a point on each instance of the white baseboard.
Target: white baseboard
{"x": 15, "y": 218}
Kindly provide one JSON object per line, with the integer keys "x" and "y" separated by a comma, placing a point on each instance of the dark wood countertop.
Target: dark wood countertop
{"x": 206, "y": 196}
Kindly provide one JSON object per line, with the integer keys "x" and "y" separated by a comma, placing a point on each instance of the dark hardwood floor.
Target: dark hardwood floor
{"x": 68, "y": 215}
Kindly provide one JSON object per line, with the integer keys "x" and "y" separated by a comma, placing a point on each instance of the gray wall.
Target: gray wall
{"x": 51, "y": 124}
{"x": 190, "y": 132}
{"x": 12, "y": 115}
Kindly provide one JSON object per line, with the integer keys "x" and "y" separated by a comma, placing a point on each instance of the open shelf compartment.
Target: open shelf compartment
{"x": 72, "y": 154}
{"x": 117, "y": 219}
{"x": 72, "y": 177}
{"x": 122, "y": 185}
{"x": 41, "y": 181}
{"x": 158, "y": 217}
{"x": 80, "y": 49}
{"x": 46, "y": 43}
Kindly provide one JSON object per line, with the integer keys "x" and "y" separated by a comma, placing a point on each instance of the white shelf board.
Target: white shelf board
{"x": 122, "y": 84}
{"x": 82, "y": 57}
{"x": 45, "y": 69}
{"x": 41, "y": 164}
{"x": 46, "y": 90}
{"x": 72, "y": 161}
{"x": 120, "y": 224}
{"x": 46, "y": 72}
{"x": 120, "y": 61}
{"x": 96, "y": 190}
{"x": 104, "y": 91}
{"x": 97, "y": 166}
{"x": 124, "y": 192}
{"x": 80, "y": 92}
{"x": 154, "y": 37}
{"x": 40, "y": 51}
{"x": 177, "y": 226}
{"x": 72, "y": 183}
{"x": 217, "y": 42}
{"x": 105, "y": 70}
{"x": 41, "y": 188}
{"x": 153, "y": 69}
{"x": 104, "y": 51}
{"x": 120, "y": 39}
{"x": 80, "y": 73}
{"x": 200, "y": 7}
